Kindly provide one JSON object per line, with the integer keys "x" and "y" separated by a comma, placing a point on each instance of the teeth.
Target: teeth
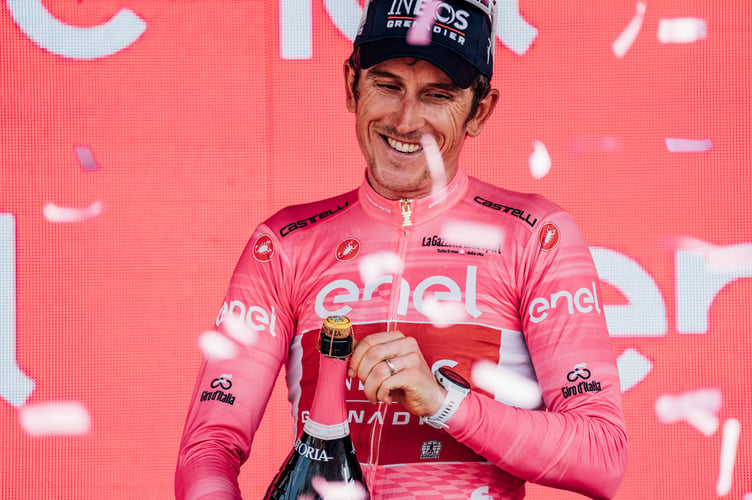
{"x": 402, "y": 147}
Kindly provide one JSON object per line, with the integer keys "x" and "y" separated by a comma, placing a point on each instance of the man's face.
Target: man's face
{"x": 399, "y": 101}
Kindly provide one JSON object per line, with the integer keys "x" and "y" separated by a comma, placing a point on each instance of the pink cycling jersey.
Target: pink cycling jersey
{"x": 513, "y": 280}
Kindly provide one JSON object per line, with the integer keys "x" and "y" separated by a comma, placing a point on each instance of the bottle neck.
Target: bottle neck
{"x": 328, "y": 412}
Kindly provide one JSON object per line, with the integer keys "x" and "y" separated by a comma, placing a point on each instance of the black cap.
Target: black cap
{"x": 462, "y": 39}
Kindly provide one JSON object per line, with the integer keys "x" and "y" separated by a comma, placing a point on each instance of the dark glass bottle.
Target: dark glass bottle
{"x": 324, "y": 447}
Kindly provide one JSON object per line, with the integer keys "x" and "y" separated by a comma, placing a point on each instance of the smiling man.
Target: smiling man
{"x": 435, "y": 278}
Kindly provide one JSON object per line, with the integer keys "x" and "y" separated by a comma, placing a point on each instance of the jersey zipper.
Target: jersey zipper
{"x": 405, "y": 230}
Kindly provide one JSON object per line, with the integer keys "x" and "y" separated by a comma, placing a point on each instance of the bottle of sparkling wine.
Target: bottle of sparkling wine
{"x": 324, "y": 448}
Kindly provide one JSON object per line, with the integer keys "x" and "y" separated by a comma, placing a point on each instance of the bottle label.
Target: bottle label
{"x": 320, "y": 431}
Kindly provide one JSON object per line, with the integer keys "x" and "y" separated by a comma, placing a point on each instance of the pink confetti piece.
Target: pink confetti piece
{"x": 624, "y": 41}
{"x": 56, "y": 418}
{"x": 540, "y": 161}
{"x": 697, "y": 408}
{"x": 337, "y": 490}
{"x": 55, "y": 213}
{"x": 214, "y": 345}
{"x": 420, "y": 32}
{"x": 86, "y": 158}
{"x": 729, "y": 444}
{"x": 682, "y": 30}
{"x": 506, "y": 385}
{"x": 435, "y": 162}
{"x": 678, "y": 145}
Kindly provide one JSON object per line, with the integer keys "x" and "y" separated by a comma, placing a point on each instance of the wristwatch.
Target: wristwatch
{"x": 457, "y": 388}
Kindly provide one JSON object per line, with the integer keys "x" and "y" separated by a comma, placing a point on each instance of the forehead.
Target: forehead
{"x": 410, "y": 70}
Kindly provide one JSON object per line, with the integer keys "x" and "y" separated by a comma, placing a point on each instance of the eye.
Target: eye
{"x": 388, "y": 87}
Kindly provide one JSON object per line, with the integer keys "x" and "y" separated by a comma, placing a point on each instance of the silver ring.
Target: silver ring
{"x": 391, "y": 366}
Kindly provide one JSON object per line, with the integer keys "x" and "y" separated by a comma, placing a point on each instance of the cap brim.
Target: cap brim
{"x": 455, "y": 67}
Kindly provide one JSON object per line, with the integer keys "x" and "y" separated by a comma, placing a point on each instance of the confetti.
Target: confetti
{"x": 677, "y": 145}
{"x": 337, "y": 490}
{"x": 540, "y": 161}
{"x": 731, "y": 431}
{"x": 55, "y": 213}
{"x": 214, "y": 345}
{"x": 721, "y": 259}
{"x": 435, "y": 162}
{"x": 624, "y": 41}
{"x": 239, "y": 330}
{"x": 472, "y": 236}
{"x": 376, "y": 265}
{"x": 506, "y": 385}
{"x": 697, "y": 408}
{"x": 442, "y": 313}
{"x": 633, "y": 368}
{"x": 682, "y": 30}
{"x": 420, "y": 32}
{"x": 86, "y": 158}
{"x": 57, "y": 418}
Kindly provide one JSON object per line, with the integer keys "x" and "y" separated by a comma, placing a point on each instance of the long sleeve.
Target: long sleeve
{"x": 579, "y": 443}
{"x": 230, "y": 395}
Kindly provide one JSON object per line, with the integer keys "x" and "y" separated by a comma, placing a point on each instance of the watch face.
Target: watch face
{"x": 454, "y": 377}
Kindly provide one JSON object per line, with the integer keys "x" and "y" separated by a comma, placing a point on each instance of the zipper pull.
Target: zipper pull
{"x": 407, "y": 213}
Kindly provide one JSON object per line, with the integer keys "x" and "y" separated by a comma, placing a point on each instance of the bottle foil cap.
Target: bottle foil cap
{"x": 335, "y": 337}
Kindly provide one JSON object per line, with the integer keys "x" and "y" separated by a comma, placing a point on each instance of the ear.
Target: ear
{"x": 485, "y": 108}
{"x": 351, "y": 101}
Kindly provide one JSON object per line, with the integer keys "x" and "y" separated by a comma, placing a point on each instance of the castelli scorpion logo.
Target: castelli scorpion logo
{"x": 347, "y": 249}
{"x": 263, "y": 248}
{"x": 548, "y": 237}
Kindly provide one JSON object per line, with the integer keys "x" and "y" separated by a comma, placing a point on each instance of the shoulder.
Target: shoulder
{"x": 531, "y": 210}
{"x": 307, "y": 215}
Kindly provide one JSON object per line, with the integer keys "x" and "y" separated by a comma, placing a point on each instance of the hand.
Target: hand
{"x": 412, "y": 384}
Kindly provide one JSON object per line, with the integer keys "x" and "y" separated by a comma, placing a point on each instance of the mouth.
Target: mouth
{"x": 403, "y": 147}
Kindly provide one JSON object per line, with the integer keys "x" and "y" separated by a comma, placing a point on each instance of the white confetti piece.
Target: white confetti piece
{"x": 506, "y": 385}
{"x": 624, "y": 41}
{"x": 217, "y": 346}
{"x": 337, "y": 490}
{"x": 378, "y": 264}
{"x": 56, "y": 418}
{"x": 682, "y": 30}
{"x": 540, "y": 161}
{"x": 55, "y": 213}
{"x": 719, "y": 259}
{"x": 697, "y": 408}
{"x": 469, "y": 236}
{"x": 729, "y": 443}
{"x": 239, "y": 330}
{"x": 442, "y": 313}
{"x": 420, "y": 32}
{"x": 679, "y": 145}
{"x": 435, "y": 162}
{"x": 633, "y": 368}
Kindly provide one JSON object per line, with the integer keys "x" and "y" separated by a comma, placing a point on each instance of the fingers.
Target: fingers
{"x": 374, "y": 349}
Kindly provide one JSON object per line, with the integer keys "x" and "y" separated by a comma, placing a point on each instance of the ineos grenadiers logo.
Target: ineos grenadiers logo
{"x": 445, "y": 13}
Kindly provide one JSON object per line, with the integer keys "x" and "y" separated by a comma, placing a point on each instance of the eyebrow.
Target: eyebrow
{"x": 374, "y": 73}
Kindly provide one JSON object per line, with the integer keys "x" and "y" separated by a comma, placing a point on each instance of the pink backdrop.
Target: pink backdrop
{"x": 143, "y": 140}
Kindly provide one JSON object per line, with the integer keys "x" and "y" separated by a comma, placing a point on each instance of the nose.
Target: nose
{"x": 408, "y": 115}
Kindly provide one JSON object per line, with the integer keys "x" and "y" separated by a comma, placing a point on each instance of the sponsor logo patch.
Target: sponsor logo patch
{"x": 582, "y": 373}
{"x": 221, "y": 384}
{"x": 263, "y": 248}
{"x": 430, "y": 449}
{"x": 347, "y": 249}
{"x": 548, "y": 236}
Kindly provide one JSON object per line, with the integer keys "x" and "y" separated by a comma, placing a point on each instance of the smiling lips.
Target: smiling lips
{"x": 403, "y": 147}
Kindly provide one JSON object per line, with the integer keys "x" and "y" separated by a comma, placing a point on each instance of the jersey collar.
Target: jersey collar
{"x": 422, "y": 209}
